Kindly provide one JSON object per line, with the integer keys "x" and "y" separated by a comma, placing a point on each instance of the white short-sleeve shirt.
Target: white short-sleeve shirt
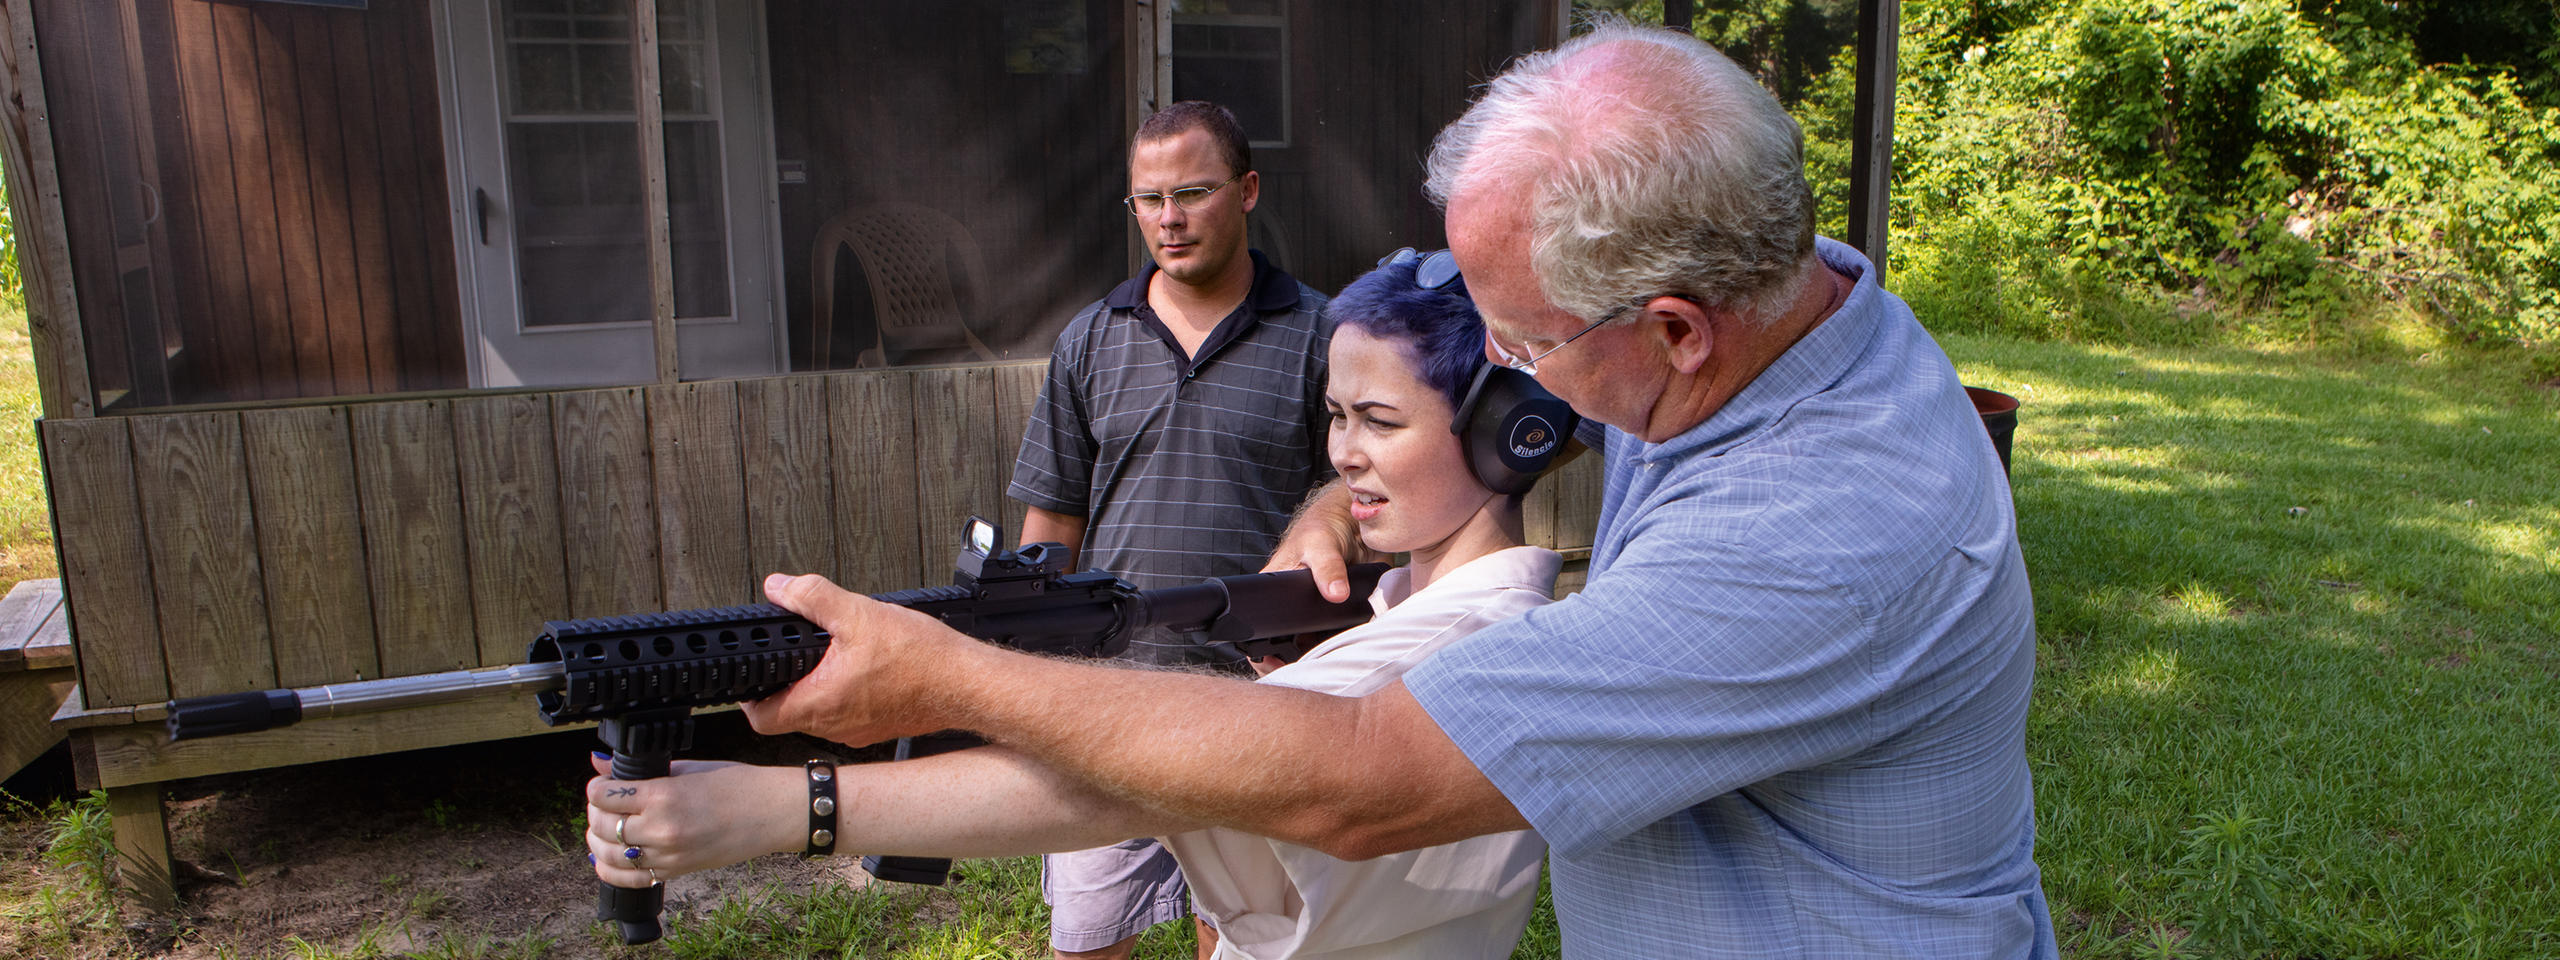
{"x": 1272, "y": 899}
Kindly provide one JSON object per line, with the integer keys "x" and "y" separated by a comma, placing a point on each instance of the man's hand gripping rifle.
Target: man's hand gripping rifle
{"x": 640, "y": 677}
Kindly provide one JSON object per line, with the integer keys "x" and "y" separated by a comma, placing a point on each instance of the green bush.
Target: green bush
{"x": 2161, "y": 171}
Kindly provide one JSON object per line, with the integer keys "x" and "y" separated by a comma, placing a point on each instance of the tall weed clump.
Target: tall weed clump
{"x": 2161, "y": 171}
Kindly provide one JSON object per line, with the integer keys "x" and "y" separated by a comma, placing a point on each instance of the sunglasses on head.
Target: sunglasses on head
{"x": 1438, "y": 269}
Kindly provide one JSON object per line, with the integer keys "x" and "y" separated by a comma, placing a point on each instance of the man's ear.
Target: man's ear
{"x": 1687, "y": 331}
{"x": 1251, "y": 184}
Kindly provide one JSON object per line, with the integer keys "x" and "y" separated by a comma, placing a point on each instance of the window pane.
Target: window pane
{"x": 697, "y": 219}
{"x": 580, "y": 238}
{"x": 680, "y": 80}
{"x": 545, "y": 78}
{"x": 604, "y": 78}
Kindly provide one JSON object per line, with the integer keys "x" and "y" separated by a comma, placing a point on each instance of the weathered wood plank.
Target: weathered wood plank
{"x": 511, "y": 520}
{"x": 315, "y": 71}
{"x": 27, "y": 701}
{"x": 1577, "y": 491}
{"x": 106, "y": 566}
{"x": 1538, "y": 513}
{"x": 82, "y": 129}
{"x": 144, "y": 262}
{"x": 653, "y": 183}
{"x": 1017, "y": 391}
{"x": 51, "y": 646}
{"x": 871, "y": 422}
{"x": 608, "y": 520}
{"x": 956, "y": 462}
{"x": 439, "y": 364}
{"x": 702, "y": 512}
{"x": 416, "y": 325}
{"x": 141, "y": 829}
{"x": 312, "y": 543}
{"x": 288, "y": 169}
{"x": 193, "y": 477}
{"x": 27, "y": 606}
{"x": 35, "y": 202}
{"x": 365, "y": 203}
{"x": 790, "y": 495}
{"x": 243, "y": 121}
{"x": 406, "y": 475}
{"x": 233, "y": 350}
{"x": 171, "y": 164}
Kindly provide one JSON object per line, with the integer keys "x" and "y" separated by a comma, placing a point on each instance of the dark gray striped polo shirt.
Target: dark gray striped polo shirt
{"x": 1182, "y": 469}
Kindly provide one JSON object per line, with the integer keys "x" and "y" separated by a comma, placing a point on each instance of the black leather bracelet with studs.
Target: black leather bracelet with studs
{"x": 822, "y": 809}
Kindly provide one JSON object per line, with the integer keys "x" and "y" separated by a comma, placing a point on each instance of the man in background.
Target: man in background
{"x": 1181, "y": 424}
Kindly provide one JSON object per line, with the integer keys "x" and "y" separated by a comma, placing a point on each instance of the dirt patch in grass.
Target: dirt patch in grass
{"x": 458, "y": 852}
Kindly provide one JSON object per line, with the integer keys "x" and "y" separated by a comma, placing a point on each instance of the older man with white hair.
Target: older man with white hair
{"x": 1786, "y": 715}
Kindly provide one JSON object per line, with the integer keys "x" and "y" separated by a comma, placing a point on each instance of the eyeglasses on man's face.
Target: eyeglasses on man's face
{"x": 1512, "y": 359}
{"x": 1529, "y": 364}
{"x": 1188, "y": 198}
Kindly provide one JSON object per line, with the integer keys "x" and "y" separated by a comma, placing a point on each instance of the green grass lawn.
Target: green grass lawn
{"x": 26, "y": 530}
{"x": 2299, "y": 669}
{"x": 2299, "y": 686}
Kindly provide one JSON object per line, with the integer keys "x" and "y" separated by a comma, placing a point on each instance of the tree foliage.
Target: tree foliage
{"x": 2194, "y": 169}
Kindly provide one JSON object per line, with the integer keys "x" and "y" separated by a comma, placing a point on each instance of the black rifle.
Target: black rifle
{"x": 640, "y": 677}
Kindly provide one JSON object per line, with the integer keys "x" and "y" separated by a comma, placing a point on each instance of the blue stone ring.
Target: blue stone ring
{"x": 632, "y": 854}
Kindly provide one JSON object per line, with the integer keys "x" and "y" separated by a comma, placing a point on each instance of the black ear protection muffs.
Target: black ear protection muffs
{"x": 1511, "y": 429}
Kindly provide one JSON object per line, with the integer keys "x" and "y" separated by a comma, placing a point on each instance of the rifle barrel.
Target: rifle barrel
{"x": 230, "y": 713}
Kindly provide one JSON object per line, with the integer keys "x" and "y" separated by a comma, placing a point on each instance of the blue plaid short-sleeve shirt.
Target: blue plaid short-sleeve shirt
{"x": 1786, "y": 717}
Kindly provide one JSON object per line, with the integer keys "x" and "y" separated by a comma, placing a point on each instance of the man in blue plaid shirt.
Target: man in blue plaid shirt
{"x": 1785, "y": 717}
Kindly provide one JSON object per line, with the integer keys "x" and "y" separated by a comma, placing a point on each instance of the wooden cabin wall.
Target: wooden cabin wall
{"x": 885, "y": 101}
{"x": 255, "y": 197}
{"x": 1371, "y": 85}
{"x": 216, "y": 552}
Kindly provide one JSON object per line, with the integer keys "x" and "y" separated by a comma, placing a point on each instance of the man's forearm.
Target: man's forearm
{"x": 1355, "y": 777}
{"x": 1049, "y": 526}
{"x": 1352, "y": 777}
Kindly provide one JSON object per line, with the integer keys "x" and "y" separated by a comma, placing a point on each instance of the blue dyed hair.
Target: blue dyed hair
{"x": 1439, "y": 330}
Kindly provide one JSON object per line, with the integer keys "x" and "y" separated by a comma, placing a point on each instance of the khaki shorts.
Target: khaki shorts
{"x": 1102, "y": 896}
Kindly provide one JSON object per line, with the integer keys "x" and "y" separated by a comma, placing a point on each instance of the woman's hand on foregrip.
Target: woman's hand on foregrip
{"x": 1324, "y": 541}
{"x": 704, "y": 815}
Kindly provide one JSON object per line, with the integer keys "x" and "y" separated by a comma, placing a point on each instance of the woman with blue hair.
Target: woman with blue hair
{"x": 1407, "y": 361}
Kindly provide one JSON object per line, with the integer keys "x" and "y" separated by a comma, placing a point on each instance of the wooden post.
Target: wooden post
{"x": 141, "y": 828}
{"x": 35, "y": 204}
{"x": 1871, "y": 128}
{"x": 1149, "y": 34}
{"x": 1679, "y": 14}
{"x": 653, "y": 174}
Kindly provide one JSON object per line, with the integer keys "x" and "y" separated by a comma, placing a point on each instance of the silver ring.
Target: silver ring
{"x": 653, "y": 877}
{"x": 617, "y": 831}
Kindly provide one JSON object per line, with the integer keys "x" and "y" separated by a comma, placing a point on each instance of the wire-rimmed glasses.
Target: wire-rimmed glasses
{"x": 1188, "y": 198}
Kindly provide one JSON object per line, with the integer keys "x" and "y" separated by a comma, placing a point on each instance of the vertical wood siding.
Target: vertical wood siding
{"x": 225, "y": 551}
{"x": 255, "y": 198}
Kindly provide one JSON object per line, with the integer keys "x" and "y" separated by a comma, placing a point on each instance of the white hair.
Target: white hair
{"x": 1651, "y": 165}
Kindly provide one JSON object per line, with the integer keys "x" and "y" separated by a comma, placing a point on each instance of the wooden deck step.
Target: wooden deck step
{"x": 35, "y": 671}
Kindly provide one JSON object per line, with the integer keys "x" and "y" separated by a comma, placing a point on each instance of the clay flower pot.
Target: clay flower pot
{"x": 1999, "y": 416}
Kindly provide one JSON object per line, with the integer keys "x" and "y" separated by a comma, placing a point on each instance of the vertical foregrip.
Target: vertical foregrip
{"x": 644, "y": 746}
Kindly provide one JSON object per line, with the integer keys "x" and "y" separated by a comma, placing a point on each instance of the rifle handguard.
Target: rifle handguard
{"x": 683, "y": 658}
